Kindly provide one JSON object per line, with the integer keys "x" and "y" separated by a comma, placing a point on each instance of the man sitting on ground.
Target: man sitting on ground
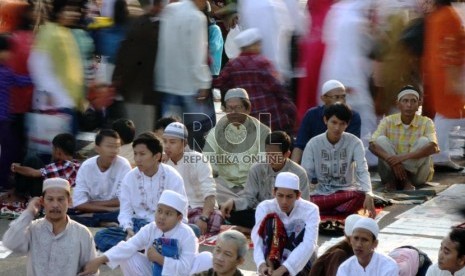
{"x": 126, "y": 131}
{"x": 313, "y": 124}
{"x": 198, "y": 179}
{"x": 229, "y": 253}
{"x": 451, "y": 257}
{"x": 261, "y": 179}
{"x": 63, "y": 166}
{"x": 366, "y": 261}
{"x": 234, "y": 144}
{"x": 286, "y": 231}
{"x": 336, "y": 160}
{"x": 404, "y": 143}
{"x": 98, "y": 182}
{"x": 55, "y": 244}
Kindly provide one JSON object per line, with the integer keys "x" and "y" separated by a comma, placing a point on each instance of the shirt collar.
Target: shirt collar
{"x": 171, "y": 232}
{"x": 49, "y": 227}
{"x": 398, "y": 121}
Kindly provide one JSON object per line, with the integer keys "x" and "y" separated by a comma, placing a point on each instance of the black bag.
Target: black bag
{"x": 413, "y": 36}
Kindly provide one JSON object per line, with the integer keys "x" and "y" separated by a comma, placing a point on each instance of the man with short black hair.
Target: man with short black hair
{"x": 285, "y": 234}
{"x": 451, "y": 256}
{"x": 55, "y": 244}
{"x": 126, "y": 131}
{"x": 335, "y": 160}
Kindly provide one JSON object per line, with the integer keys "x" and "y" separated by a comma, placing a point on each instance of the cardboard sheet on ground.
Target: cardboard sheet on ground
{"x": 4, "y": 252}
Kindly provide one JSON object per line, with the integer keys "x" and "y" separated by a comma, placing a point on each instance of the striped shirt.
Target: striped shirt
{"x": 404, "y": 136}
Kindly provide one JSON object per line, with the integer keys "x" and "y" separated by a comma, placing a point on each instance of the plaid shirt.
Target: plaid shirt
{"x": 404, "y": 137}
{"x": 256, "y": 75}
{"x": 64, "y": 168}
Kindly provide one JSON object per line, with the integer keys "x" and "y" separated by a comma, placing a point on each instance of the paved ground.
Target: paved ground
{"x": 15, "y": 265}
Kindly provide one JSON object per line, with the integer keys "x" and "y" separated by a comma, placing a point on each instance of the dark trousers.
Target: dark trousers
{"x": 93, "y": 219}
{"x": 29, "y": 186}
{"x": 245, "y": 218}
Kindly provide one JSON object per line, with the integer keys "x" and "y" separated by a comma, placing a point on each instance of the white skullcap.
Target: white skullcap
{"x": 287, "y": 180}
{"x": 407, "y": 92}
{"x": 56, "y": 182}
{"x": 367, "y": 224}
{"x": 176, "y": 130}
{"x": 174, "y": 200}
{"x": 350, "y": 222}
{"x": 247, "y": 37}
{"x": 330, "y": 85}
{"x": 236, "y": 93}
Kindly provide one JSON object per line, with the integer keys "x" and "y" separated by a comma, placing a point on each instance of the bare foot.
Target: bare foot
{"x": 390, "y": 186}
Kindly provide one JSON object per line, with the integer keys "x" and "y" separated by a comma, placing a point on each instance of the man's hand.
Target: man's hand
{"x": 369, "y": 206}
{"x": 265, "y": 270}
{"x": 280, "y": 271}
{"x": 399, "y": 172}
{"x": 92, "y": 266}
{"x": 395, "y": 159}
{"x": 130, "y": 233}
{"x": 202, "y": 225}
{"x": 34, "y": 205}
{"x": 226, "y": 208}
{"x": 14, "y": 166}
{"x": 203, "y": 94}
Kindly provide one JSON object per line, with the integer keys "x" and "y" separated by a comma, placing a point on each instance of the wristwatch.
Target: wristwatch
{"x": 204, "y": 219}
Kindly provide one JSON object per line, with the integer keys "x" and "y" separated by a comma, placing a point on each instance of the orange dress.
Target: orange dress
{"x": 443, "y": 59}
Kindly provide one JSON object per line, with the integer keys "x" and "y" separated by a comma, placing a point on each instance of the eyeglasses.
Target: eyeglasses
{"x": 336, "y": 97}
{"x": 237, "y": 108}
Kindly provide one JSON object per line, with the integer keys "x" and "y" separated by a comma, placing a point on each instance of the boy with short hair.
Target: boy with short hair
{"x": 63, "y": 166}
{"x": 98, "y": 181}
{"x": 335, "y": 160}
{"x": 167, "y": 228}
{"x": 126, "y": 131}
{"x": 451, "y": 255}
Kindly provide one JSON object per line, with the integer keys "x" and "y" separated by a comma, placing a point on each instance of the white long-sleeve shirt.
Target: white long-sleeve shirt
{"x": 197, "y": 174}
{"x": 140, "y": 194}
{"x": 380, "y": 265}
{"x": 95, "y": 185}
{"x": 189, "y": 248}
{"x": 341, "y": 166}
{"x": 181, "y": 67}
{"x": 64, "y": 254}
{"x": 303, "y": 217}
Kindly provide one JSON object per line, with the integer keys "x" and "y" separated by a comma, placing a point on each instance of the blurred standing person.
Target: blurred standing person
{"x": 55, "y": 64}
{"x": 443, "y": 61}
{"x": 273, "y": 20}
{"x": 133, "y": 77}
{"x": 311, "y": 57}
{"x": 215, "y": 42}
{"x": 181, "y": 69}
{"x": 348, "y": 46}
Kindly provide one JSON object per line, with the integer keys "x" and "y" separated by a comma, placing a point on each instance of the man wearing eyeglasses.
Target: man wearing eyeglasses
{"x": 404, "y": 143}
{"x": 312, "y": 125}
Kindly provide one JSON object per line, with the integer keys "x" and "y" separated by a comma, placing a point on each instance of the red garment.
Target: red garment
{"x": 21, "y": 43}
{"x": 311, "y": 56}
{"x": 341, "y": 202}
{"x": 274, "y": 234}
{"x": 256, "y": 74}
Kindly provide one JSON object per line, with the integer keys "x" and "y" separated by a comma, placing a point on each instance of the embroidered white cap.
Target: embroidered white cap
{"x": 174, "y": 200}
{"x": 287, "y": 180}
{"x": 247, "y": 37}
{"x": 367, "y": 224}
{"x": 236, "y": 93}
{"x": 330, "y": 85}
{"x": 350, "y": 222}
{"x": 56, "y": 182}
{"x": 176, "y": 130}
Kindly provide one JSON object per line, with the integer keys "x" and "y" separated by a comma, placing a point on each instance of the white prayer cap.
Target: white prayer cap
{"x": 56, "y": 182}
{"x": 176, "y": 130}
{"x": 330, "y": 85}
{"x": 236, "y": 93}
{"x": 408, "y": 91}
{"x": 367, "y": 224}
{"x": 247, "y": 37}
{"x": 350, "y": 222}
{"x": 287, "y": 180}
{"x": 174, "y": 200}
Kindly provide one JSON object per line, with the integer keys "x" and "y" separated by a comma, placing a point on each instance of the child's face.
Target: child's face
{"x": 166, "y": 217}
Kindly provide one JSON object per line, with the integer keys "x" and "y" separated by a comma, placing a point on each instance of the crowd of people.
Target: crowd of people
{"x": 165, "y": 171}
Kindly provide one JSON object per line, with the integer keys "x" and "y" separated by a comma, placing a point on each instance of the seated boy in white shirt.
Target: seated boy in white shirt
{"x": 451, "y": 257}
{"x": 286, "y": 231}
{"x": 172, "y": 207}
{"x": 98, "y": 181}
{"x": 366, "y": 261}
